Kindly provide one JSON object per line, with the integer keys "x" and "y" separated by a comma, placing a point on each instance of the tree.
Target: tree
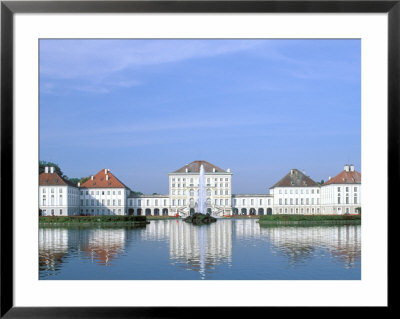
{"x": 57, "y": 169}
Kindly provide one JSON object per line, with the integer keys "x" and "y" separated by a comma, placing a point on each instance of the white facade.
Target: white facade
{"x": 340, "y": 197}
{"x": 295, "y": 193}
{"x": 184, "y": 192}
{"x": 103, "y": 201}
{"x": 56, "y": 196}
{"x": 297, "y": 200}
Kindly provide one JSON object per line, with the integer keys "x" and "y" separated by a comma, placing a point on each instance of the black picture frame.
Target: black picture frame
{"x": 9, "y": 8}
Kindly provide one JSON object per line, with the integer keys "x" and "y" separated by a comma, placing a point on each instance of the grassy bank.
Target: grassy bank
{"x": 162, "y": 217}
{"x": 310, "y": 220}
{"x": 48, "y": 220}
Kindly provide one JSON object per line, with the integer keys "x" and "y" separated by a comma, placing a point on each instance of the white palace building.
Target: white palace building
{"x": 105, "y": 194}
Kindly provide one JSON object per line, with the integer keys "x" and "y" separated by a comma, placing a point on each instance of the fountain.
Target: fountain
{"x": 201, "y": 216}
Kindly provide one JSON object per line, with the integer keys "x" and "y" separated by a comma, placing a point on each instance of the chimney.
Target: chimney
{"x": 186, "y": 170}
{"x": 46, "y": 169}
{"x": 346, "y": 168}
{"x": 52, "y": 170}
{"x": 291, "y": 171}
{"x": 351, "y": 168}
{"x": 91, "y": 177}
{"x": 329, "y": 178}
{"x": 213, "y": 169}
{"x": 107, "y": 177}
{"x": 105, "y": 171}
{"x": 228, "y": 170}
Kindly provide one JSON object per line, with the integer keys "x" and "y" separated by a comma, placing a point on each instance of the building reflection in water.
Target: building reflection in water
{"x": 300, "y": 243}
{"x": 198, "y": 248}
{"x": 103, "y": 245}
{"x": 201, "y": 248}
{"x": 53, "y": 245}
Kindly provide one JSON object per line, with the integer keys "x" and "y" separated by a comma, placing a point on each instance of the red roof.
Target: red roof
{"x": 53, "y": 179}
{"x": 194, "y": 167}
{"x": 100, "y": 181}
{"x": 346, "y": 177}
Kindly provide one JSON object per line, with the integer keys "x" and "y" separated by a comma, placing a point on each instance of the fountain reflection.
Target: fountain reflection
{"x": 198, "y": 248}
{"x": 201, "y": 248}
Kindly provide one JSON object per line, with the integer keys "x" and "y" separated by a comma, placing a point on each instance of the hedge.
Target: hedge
{"x": 92, "y": 219}
{"x": 308, "y": 217}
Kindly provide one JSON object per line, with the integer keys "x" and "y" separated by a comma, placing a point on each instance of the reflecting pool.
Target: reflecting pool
{"x": 173, "y": 250}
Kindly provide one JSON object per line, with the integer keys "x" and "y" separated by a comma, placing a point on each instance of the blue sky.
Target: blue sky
{"x": 144, "y": 108}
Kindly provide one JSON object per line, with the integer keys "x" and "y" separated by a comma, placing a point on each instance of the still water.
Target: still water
{"x": 227, "y": 249}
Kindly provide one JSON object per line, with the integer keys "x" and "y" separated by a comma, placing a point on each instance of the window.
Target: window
{"x": 285, "y": 201}
{"x": 226, "y": 202}
{"x": 102, "y": 192}
{"x": 291, "y": 201}
{"x": 301, "y": 201}
{"x": 119, "y": 202}
{"x": 108, "y": 192}
{"x": 113, "y": 192}
{"x": 52, "y": 190}
{"x": 156, "y": 202}
{"x": 312, "y": 201}
{"x": 87, "y": 202}
{"x": 338, "y": 199}
{"x": 92, "y": 193}
{"x": 307, "y": 201}
{"x": 97, "y": 192}
{"x": 148, "y": 202}
{"x": 261, "y": 202}
{"x": 113, "y": 202}
{"x": 312, "y": 191}
{"x": 297, "y": 201}
{"x": 355, "y": 189}
{"x": 355, "y": 199}
{"x": 44, "y": 201}
{"x": 43, "y": 190}
{"x": 244, "y": 202}
{"x": 92, "y": 202}
{"x": 108, "y": 202}
{"x": 280, "y": 201}
{"x": 252, "y": 201}
{"x": 221, "y": 202}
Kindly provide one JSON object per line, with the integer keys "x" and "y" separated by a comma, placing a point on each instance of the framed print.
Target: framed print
{"x": 196, "y": 154}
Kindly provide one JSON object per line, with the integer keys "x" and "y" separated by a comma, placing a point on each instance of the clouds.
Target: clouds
{"x": 242, "y": 103}
{"x": 98, "y": 66}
